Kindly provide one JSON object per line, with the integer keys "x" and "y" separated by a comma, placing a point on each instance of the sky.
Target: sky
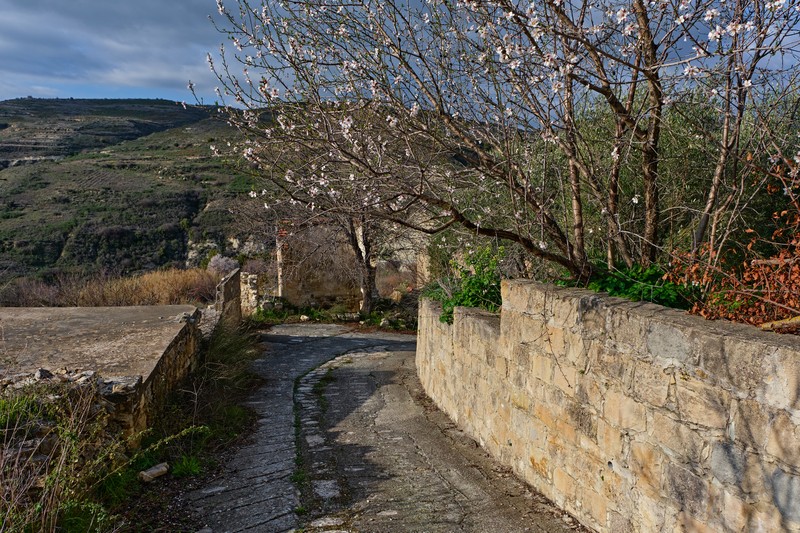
{"x": 107, "y": 48}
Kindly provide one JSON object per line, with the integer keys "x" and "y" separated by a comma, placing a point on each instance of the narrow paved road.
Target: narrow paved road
{"x": 374, "y": 454}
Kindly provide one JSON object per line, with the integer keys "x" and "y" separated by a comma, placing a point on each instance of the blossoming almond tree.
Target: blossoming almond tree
{"x": 480, "y": 114}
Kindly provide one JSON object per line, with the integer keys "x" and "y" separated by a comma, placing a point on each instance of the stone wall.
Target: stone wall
{"x": 149, "y": 397}
{"x": 250, "y": 293}
{"x": 228, "y": 302}
{"x": 630, "y": 416}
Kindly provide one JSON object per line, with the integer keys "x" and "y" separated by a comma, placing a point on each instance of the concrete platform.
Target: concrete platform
{"x": 114, "y": 341}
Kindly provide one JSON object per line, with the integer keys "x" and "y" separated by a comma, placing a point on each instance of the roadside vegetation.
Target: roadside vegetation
{"x": 164, "y": 287}
{"x": 65, "y": 467}
{"x": 386, "y": 314}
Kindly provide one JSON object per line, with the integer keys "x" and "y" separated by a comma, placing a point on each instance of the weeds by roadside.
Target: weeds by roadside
{"x": 387, "y": 314}
{"x": 64, "y": 468}
{"x": 210, "y": 399}
{"x": 55, "y": 450}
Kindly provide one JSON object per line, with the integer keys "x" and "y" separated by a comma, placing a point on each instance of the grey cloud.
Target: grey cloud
{"x": 120, "y": 43}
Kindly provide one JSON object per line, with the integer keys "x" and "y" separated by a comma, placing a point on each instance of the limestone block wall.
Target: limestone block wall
{"x": 228, "y": 302}
{"x": 630, "y": 416}
{"x": 249, "y": 293}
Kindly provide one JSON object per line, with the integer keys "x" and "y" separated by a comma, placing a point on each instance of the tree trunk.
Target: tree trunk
{"x": 653, "y": 136}
{"x": 368, "y": 289}
{"x": 577, "y": 252}
{"x": 359, "y": 238}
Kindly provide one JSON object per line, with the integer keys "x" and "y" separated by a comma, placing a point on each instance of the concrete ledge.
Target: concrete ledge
{"x": 142, "y": 353}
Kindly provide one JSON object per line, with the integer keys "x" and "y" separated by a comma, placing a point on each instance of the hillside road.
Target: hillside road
{"x": 369, "y": 451}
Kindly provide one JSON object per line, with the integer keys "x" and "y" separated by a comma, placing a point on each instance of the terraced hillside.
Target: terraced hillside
{"x": 113, "y": 186}
{"x": 33, "y": 130}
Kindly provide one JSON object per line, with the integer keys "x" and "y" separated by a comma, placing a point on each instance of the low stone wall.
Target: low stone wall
{"x": 630, "y": 416}
{"x": 150, "y": 395}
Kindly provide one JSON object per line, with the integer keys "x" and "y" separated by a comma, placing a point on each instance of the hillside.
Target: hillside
{"x": 112, "y": 186}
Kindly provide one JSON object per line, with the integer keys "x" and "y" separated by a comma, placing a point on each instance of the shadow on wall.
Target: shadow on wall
{"x": 631, "y": 416}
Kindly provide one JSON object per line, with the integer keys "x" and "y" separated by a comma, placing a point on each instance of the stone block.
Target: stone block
{"x": 562, "y": 310}
{"x": 521, "y": 357}
{"x": 654, "y": 514}
{"x": 520, "y": 400}
{"x": 590, "y": 390}
{"x": 766, "y": 519}
{"x": 783, "y": 439}
{"x": 708, "y": 349}
{"x": 614, "y": 485}
{"x": 627, "y": 330}
{"x": 527, "y": 328}
{"x": 536, "y": 437}
{"x": 583, "y": 418}
{"x": 501, "y": 367}
{"x": 786, "y": 495}
{"x": 751, "y": 422}
{"x": 688, "y": 490}
{"x": 592, "y": 313}
{"x": 680, "y": 441}
{"x": 689, "y": 524}
{"x": 554, "y": 343}
{"x": 782, "y": 379}
{"x": 650, "y": 383}
{"x": 624, "y": 412}
{"x": 607, "y": 363}
{"x": 596, "y": 505}
{"x": 544, "y": 413}
{"x": 523, "y": 295}
{"x": 727, "y": 463}
{"x": 665, "y": 341}
{"x": 565, "y": 377}
{"x": 542, "y": 367}
{"x": 566, "y": 431}
{"x": 576, "y": 349}
{"x": 733, "y": 513}
{"x": 738, "y": 363}
{"x": 539, "y": 461}
{"x": 619, "y": 524}
{"x": 610, "y": 440}
{"x": 646, "y": 463}
{"x": 564, "y": 486}
{"x": 742, "y": 472}
{"x": 702, "y": 404}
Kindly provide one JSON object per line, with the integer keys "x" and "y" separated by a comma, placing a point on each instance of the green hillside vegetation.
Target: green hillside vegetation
{"x": 124, "y": 191}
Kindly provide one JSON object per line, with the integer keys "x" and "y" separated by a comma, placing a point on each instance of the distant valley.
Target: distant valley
{"x": 113, "y": 186}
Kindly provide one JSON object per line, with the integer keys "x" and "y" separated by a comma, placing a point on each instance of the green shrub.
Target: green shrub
{"x": 47, "y": 482}
{"x": 643, "y": 284}
{"x": 19, "y": 409}
{"x": 475, "y": 285}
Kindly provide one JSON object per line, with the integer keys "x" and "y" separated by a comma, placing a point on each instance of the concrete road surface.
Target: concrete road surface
{"x": 348, "y": 442}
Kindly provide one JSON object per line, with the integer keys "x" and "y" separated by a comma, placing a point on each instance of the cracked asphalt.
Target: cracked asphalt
{"x": 369, "y": 452}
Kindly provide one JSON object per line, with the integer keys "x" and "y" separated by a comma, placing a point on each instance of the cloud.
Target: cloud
{"x": 49, "y": 46}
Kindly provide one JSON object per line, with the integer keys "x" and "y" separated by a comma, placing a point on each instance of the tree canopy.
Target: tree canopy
{"x": 582, "y": 131}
